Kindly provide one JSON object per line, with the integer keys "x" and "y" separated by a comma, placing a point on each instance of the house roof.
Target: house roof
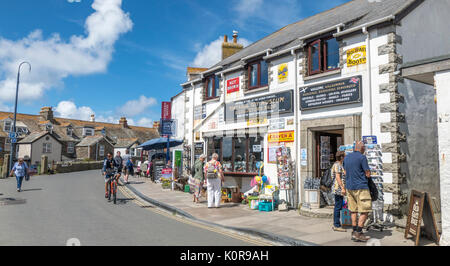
{"x": 34, "y": 136}
{"x": 351, "y": 14}
{"x": 89, "y": 141}
{"x": 125, "y": 143}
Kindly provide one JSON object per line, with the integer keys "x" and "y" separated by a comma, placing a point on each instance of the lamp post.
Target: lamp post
{"x": 13, "y": 145}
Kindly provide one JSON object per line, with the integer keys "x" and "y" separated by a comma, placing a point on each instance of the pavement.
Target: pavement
{"x": 54, "y": 209}
{"x": 281, "y": 228}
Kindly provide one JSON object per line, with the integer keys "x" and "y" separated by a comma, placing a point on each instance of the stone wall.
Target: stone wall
{"x": 70, "y": 167}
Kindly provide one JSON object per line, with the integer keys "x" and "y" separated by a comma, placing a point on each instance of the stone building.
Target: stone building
{"x": 336, "y": 78}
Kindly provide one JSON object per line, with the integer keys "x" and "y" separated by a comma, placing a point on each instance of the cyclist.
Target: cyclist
{"x": 109, "y": 170}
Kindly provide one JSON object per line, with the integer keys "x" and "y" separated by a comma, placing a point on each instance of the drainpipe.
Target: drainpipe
{"x": 297, "y": 133}
{"x": 369, "y": 65}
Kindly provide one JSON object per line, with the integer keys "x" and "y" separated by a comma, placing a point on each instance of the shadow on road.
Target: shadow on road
{"x": 32, "y": 189}
{"x": 123, "y": 201}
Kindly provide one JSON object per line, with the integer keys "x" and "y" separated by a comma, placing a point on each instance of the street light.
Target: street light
{"x": 13, "y": 145}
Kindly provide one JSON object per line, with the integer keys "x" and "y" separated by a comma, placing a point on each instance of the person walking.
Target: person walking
{"x": 199, "y": 177}
{"x": 125, "y": 159}
{"x": 357, "y": 183}
{"x": 214, "y": 177}
{"x": 338, "y": 190}
{"x": 20, "y": 169}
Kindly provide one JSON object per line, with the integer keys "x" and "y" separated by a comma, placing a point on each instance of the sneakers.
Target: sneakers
{"x": 339, "y": 229}
{"x": 360, "y": 237}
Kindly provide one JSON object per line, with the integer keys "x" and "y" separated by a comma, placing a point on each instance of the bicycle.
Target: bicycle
{"x": 112, "y": 189}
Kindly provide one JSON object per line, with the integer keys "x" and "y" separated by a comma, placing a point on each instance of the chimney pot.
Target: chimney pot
{"x": 123, "y": 121}
{"x": 235, "y": 36}
{"x": 225, "y": 38}
{"x": 92, "y": 118}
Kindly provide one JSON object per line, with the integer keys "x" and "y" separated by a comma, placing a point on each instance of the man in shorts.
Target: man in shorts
{"x": 358, "y": 193}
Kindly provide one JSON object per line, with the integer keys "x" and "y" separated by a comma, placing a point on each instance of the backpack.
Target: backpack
{"x": 212, "y": 172}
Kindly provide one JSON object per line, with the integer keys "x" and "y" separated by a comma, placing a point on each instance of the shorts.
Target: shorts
{"x": 108, "y": 178}
{"x": 359, "y": 201}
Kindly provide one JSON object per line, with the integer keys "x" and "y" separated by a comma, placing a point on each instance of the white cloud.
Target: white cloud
{"x": 211, "y": 54}
{"x": 136, "y": 107}
{"x": 54, "y": 59}
{"x": 68, "y": 109}
{"x": 145, "y": 122}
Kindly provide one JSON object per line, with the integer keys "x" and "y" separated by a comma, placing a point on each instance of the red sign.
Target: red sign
{"x": 166, "y": 112}
{"x": 233, "y": 85}
{"x": 166, "y": 171}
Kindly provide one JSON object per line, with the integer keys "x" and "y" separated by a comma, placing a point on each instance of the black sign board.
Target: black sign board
{"x": 420, "y": 209}
{"x": 158, "y": 166}
{"x": 198, "y": 149}
{"x": 260, "y": 107}
{"x": 339, "y": 92}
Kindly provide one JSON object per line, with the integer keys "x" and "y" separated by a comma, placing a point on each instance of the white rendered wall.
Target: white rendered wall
{"x": 442, "y": 80}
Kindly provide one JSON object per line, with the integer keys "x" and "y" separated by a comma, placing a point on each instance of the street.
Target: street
{"x": 53, "y": 209}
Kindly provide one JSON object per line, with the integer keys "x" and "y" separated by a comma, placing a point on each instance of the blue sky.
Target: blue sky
{"x": 119, "y": 58}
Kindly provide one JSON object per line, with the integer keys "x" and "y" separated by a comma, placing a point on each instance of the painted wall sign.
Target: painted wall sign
{"x": 356, "y": 56}
{"x": 262, "y": 107}
{"x": 283, "y": 73}
{"x": 339, "y": 92}
{"x": 288, "y": 136}
{"x": 166, "y": 111}
{"x": 277, "y": 124}
{"x": 233, "y": 85}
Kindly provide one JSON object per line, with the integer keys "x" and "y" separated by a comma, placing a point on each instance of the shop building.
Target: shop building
{"x": 327, "y": 81}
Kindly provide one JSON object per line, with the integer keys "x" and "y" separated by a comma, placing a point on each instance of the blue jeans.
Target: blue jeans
{"x": 338, "y": 204}
{"x": 19, "y": 181}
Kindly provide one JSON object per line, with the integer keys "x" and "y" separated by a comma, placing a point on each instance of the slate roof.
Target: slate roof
{"x": 33, "y": 137}
{"x": 353, "y": 13}
{"x": 125, "y": 143}
{"x": 89, "y": 141}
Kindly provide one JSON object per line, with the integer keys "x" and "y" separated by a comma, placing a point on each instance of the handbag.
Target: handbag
{"x": 373, "y": 190}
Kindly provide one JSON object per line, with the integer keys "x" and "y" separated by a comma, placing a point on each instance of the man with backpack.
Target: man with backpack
{"x": 214, "y": 177}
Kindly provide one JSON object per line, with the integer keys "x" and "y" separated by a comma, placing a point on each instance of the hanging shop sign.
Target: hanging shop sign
{"x": 283, "y": 73}
{"x": 288, "y": 136}
{"x": 339, "y": 92}
{"x": 356, "y": 56}
{"x": 168, "y": 127}
{"x": 166, "y": 111}
{"x": 233, "y": 85}
{"x": 262, "y": 107}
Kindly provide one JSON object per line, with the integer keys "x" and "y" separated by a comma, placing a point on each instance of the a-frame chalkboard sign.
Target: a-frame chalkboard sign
{"x": 420, "y": 209}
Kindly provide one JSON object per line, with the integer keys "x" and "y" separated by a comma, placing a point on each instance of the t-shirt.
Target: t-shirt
{"x": 217, "y": 166}
{"x": 356, "y": 165}
{"x": 337, "y": 169}
{"x": 20, "y": 170}
{"x": 125, "y": 158}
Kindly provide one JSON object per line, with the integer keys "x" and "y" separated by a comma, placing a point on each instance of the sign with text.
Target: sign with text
{"x": 166, "y": 111}
{"x": 288, "y": 136}
{"x": 283, "y": 73}
{"x": 233, "y": 85}
{"x": 356, "y": 56}
{"x": 168, "y": 127}
{"x": 334, "y": 93}
{"x": 261, "y": 108}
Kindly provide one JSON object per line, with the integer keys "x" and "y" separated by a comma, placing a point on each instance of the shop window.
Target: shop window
{"x": 258, "y": 74}
{"x": 212, "y": 86}
{"x": 323, "y": 55}
{"x": 238, "y": 154}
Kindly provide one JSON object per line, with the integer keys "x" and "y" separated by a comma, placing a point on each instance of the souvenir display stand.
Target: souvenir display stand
{"x": 374, "y": 158}
{"x": 285, "y": 171}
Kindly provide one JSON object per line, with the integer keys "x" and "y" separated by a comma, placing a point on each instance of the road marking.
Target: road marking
{"x": 129, "y": 194}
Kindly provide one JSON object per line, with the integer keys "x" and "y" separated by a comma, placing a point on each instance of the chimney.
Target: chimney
{"x": 46, "y": 113}
{"x": 123, "y": 122}
{"x": 92, "y": 118}
{"x": 230, "y": 48}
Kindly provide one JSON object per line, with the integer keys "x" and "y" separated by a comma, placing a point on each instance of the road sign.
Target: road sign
{"x": 168, "y": 127}
{"x": 13, "y": 140}
{"x": 13, "y": 135}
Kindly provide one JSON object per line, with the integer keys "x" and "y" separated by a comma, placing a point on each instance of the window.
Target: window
{"x": 238, "y": 154}
{"x": 70, "y": 148}
{"x": 133, "y": 152}
{"x": 88, "y": 132}
{"x": 212, "y": 86}
{"x": 323, "y": 55}
{"x": 102, "y": 150}
{"x": 7, "y": 126}
{"x": 258, "y": 75}
{"x": 47, "y": 148}
{"x": 70, "y": 131}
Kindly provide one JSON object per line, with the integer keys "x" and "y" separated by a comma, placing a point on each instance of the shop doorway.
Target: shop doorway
{"x": 327, "y": 144}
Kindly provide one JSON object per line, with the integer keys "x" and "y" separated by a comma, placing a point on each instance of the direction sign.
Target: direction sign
{"x": 13, "y": 135}
{"x": 13, "y": 140}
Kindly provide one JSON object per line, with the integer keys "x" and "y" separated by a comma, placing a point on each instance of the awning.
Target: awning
{"x": 161, "y": 143}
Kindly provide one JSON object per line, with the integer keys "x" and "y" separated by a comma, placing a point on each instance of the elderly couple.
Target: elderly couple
{"x": 212, "y": 172}
{"x": 351, "y": 175}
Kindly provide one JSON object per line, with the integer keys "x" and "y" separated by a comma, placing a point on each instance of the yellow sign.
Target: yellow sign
{"x": 288, "y": 136}
{"x": 283, "y": 73}
{"x": 257, "y": 121}
{"x": 356, "y": 56}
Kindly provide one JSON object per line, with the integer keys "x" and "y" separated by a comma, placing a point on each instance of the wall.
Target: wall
{"x": 24, "y": 150}
{"x": 37, "y": 149}
{"x": 442, "y": 80}
{"x": 77, "y": 167}
{"x": 178, "y": 113}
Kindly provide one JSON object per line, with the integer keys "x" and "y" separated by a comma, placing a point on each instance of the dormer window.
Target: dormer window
{"x": 7, "y": 126}
{"x": 22, "y": 131}
{"x": 88, "y": 132}
{"x": 49, "y": 128}
{"x": 70, "y": 131}
{"x": 323, "y": 55}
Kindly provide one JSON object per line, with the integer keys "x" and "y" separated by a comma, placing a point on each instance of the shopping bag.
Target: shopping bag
{"x": 346, "y": 217}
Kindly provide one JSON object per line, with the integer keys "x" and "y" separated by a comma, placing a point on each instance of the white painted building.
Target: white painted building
{"x": 343, "y": 72}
